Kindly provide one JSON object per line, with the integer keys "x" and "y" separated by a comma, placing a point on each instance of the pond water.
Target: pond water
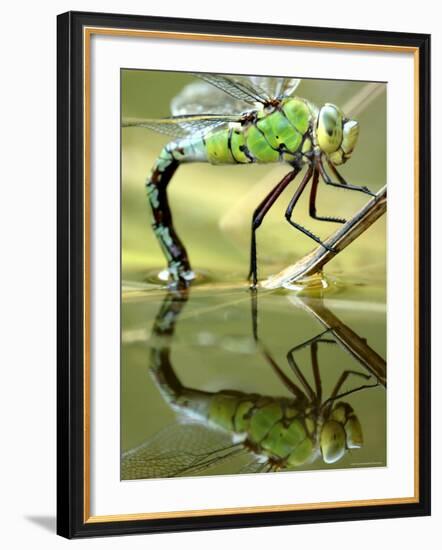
{"x": 206, "y": 340}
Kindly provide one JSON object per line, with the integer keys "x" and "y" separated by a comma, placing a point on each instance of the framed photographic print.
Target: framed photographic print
{"x": 231, "y": 283}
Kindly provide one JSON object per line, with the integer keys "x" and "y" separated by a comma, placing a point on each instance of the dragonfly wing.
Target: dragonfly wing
{"x": 184, "y": 125}
{"x": 239, "y": 88}
{"x": 178, "y": 450}
{"x": 253, "y": 89}
{"x": 275, "y": 87}
{"x": 201, "y": 97}
{"x": 224, "y": 95}
{"x": 203, "y": 106}
{"x": 255, "y": 466}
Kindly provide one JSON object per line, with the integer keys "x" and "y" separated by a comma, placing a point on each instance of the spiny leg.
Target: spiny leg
{"x": 341, "y": 183}
{"x": 316, "y": 338}
{"x": 291, "y": 206}
{"x": 259, "y": 215}
{"x": 312, "y": 202}
{"x": 297, "y": 371}
{"x": 291, "y": 386}
{"x": 173, "y": 248}
{"x": 313, "y": 343}
{"x": 335, "y": 395}
{"x": 343, "y": 378}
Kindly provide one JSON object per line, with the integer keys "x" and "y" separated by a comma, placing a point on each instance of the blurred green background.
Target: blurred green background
{"x": 212, "y": 206}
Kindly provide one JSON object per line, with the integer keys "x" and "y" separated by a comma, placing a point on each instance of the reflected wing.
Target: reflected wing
{"x": 255, "y": 466}
{"x": 178, "y": 450}
{"x": 183, "y": 126}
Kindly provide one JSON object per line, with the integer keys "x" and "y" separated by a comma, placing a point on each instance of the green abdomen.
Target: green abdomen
{"x": 227, "y": 146}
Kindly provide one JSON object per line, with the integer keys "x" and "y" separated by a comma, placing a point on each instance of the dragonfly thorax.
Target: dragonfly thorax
{"x": 336, "y": 136}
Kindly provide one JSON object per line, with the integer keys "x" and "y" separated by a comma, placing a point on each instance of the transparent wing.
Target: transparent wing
{"x": 239, "y": 88}
{"x": 227, "y": 95}
{"x": 201, "y": 97}
{"x": 203, "y": 106}
{"x": 255, "y": 466}
{"x": 275, "y": 87}
{"x": 183, "y": 126}
{"x": 253, "y": 89}
{"x": 178, "y": 450}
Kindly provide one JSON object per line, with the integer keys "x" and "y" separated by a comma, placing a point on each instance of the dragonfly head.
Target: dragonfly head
{"x": 335, "y": 134}
{"x": 341, "y": 431}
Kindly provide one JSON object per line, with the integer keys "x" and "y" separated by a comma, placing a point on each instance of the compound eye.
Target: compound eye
{"x": 329, "y": 128}
{"x": 332, "y": 441}
{"x": 353, "y": 431}
{"x": 350, "y": 136}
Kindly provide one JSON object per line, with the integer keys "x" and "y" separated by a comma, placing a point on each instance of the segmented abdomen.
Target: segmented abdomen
{"x": 281, "y": 135}
{"x": 273, "y": 427}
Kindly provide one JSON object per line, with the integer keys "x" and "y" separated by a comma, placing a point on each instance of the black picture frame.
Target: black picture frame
{"x": 71, "y": 519}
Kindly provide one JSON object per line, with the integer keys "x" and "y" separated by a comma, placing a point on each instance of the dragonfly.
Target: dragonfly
{"x": 237, "y": 120}
{"x": 270, "y": 433}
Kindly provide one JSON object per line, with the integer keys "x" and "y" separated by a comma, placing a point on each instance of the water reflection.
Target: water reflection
{"x": 269, "y": 433}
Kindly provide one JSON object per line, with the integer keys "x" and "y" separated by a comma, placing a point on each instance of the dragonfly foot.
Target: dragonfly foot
{"x": 253, "y": 279}
{"x": 180, "y": 278}
{"x": 368, "y": 192}
{"x": 329, "y": 248}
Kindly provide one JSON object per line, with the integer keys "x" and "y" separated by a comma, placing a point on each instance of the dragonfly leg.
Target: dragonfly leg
{"x": 254, "y": 303}
{"x": 316, "y": 338}
{"x": 341, "y": 183}
{"x": 313, "y": 343}
{"x": 258, "y": 217}
{"x": 293, "y": 388}
{"x": 291, "y": 206}
{"x": 312, "y": 203}
{"x": 335, "y": 395}
{"x": 297, "y": 371}
{"x": 174, "y": 250}
{"x": 315, "y": 368}
{"x": 343, "y": 378}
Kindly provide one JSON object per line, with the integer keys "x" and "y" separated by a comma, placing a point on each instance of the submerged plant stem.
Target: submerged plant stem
{"x": 314, "y": 261}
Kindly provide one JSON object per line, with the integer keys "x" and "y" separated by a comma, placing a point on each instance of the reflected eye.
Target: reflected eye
{"x": 329, "y": 128}
{"x": 353, "y": 430}
{"x": 332, "y": 441}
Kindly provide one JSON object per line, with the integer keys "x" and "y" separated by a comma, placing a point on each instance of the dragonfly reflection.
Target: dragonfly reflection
{"x": 273, "y": 433}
